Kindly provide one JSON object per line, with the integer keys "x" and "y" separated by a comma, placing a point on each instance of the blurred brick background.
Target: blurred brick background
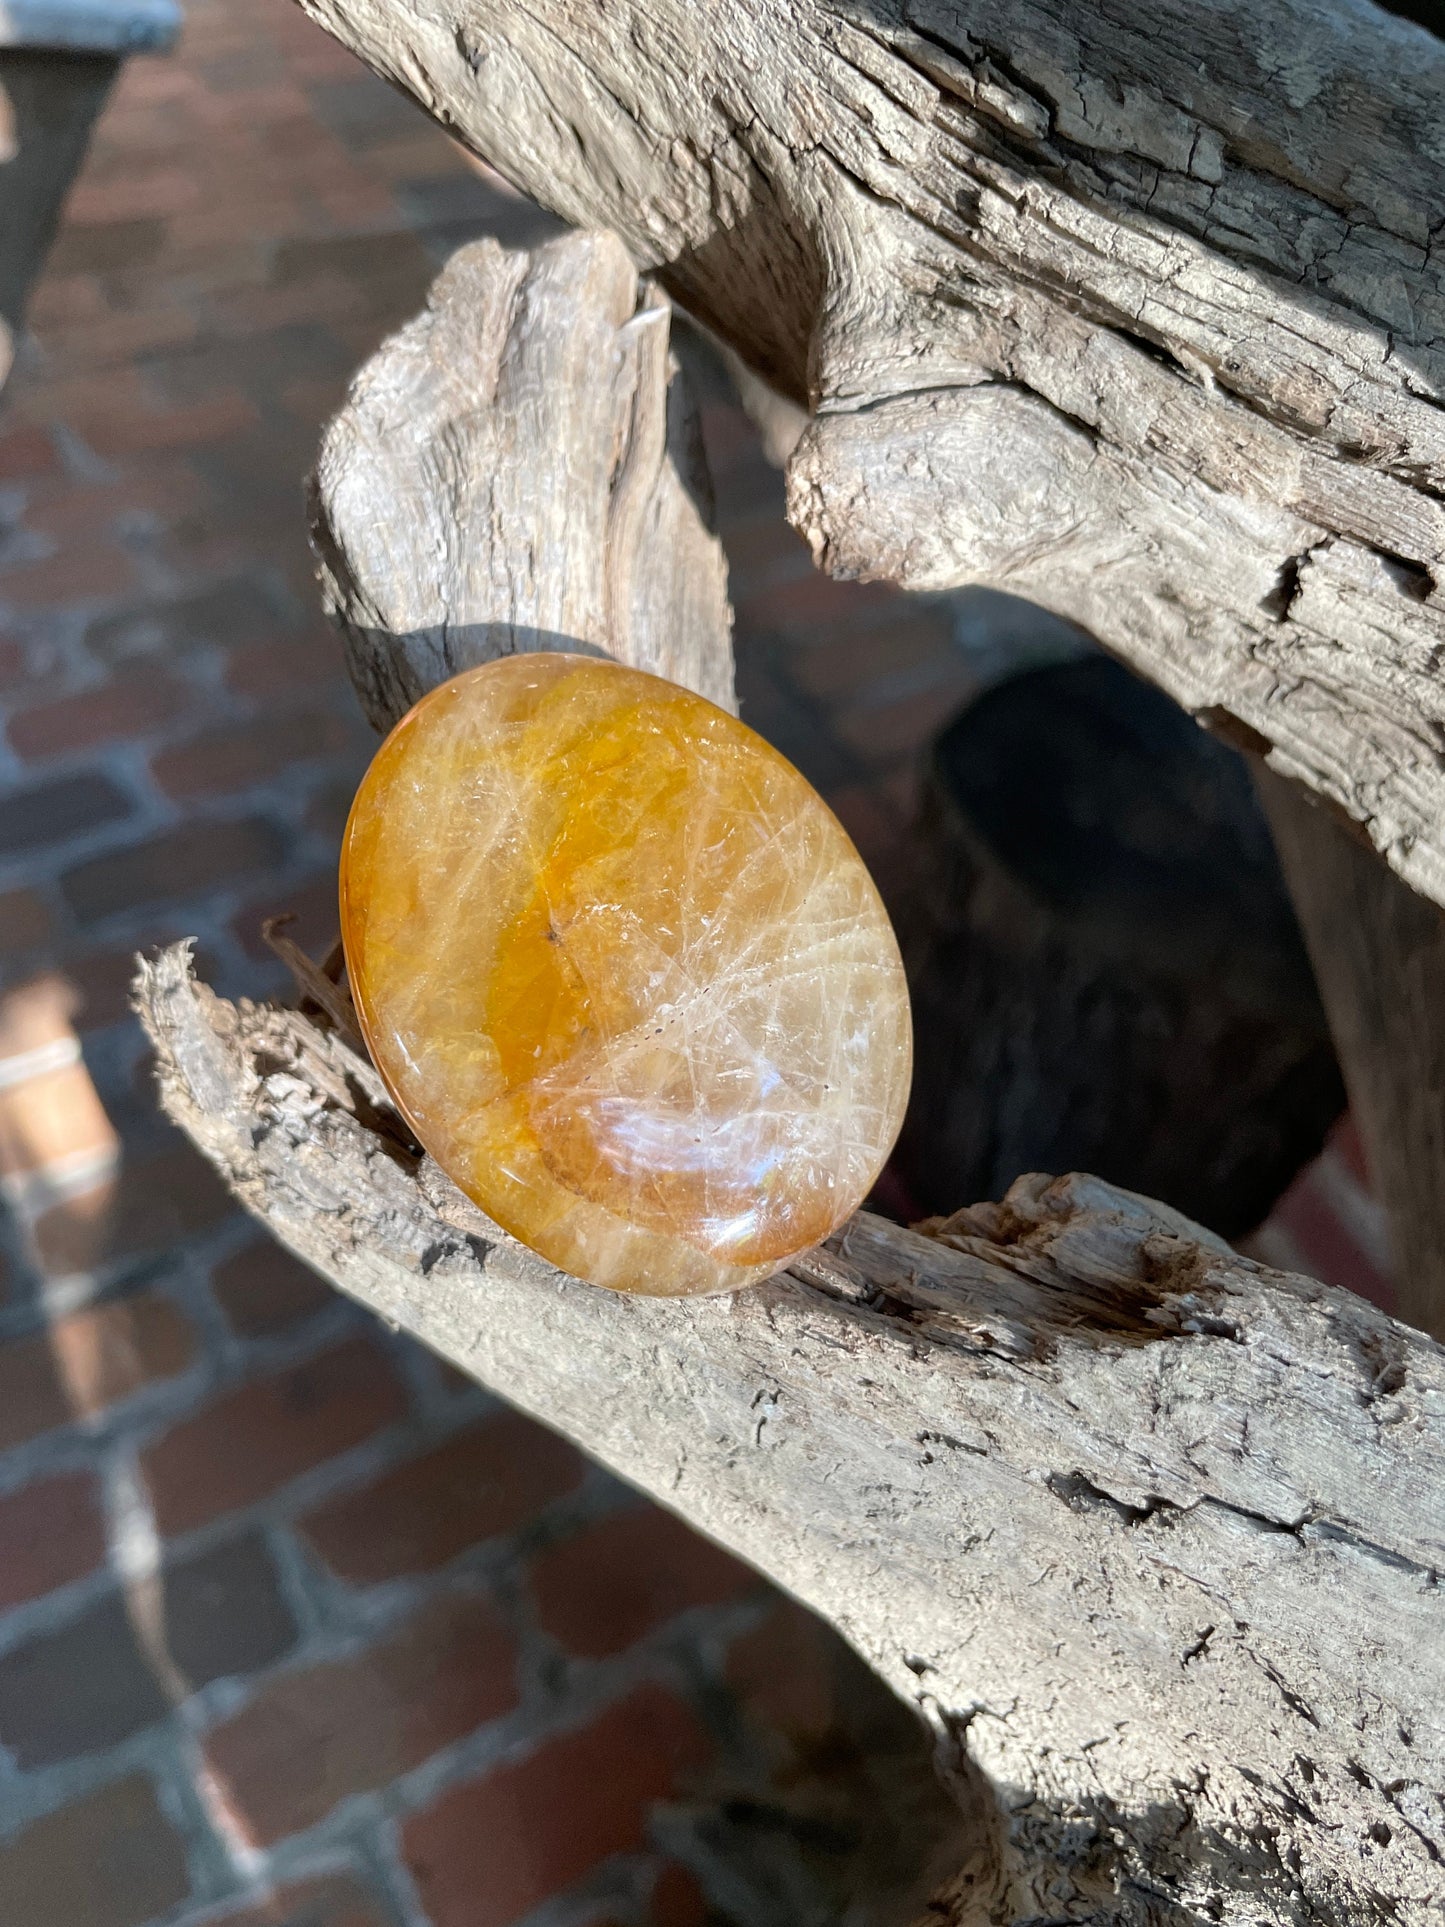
{"x": 296, "y": 1628}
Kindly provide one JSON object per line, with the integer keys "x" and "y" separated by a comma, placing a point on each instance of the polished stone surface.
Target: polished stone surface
{"x": 624, "y": 973}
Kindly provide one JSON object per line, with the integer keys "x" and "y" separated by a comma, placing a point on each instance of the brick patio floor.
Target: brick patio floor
{"x": 296, "y": 1627}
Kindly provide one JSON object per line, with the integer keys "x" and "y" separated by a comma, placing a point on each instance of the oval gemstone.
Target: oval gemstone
{"x": 624, "y": 974}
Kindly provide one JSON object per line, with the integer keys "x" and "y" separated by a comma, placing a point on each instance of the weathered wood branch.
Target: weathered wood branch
{"x": 1136, "y": 308}
{"x": 1150, "y": 1534}
{"x": 520, "y": 468}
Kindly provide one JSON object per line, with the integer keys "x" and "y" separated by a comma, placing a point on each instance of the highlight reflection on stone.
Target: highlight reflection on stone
{"x": 624, "y": 973}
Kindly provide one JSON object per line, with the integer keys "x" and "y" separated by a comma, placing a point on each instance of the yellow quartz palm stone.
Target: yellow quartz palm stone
{"x": 624, "y": 974}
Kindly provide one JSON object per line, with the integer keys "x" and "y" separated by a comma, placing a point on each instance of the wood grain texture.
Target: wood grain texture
{"x": 519, "y": 468}
{"x": 1136, "y": 308}
{"x": 1150, "y": 1534}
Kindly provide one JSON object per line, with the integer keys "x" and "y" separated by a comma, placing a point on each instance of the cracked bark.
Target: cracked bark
{"x": 1134, "y": 307}
{"x": 1150, "y": 1535}
{"x": 1137, "y": 309}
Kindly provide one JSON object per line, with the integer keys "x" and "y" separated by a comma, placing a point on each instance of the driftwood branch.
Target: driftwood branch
{"x": 1149, "y": 1534}
{"x": 1135, "y": 308}
{"x": 520, "y": 468}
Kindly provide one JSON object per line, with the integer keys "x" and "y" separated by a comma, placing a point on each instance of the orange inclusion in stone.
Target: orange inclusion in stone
{"x": 624, "y": 974}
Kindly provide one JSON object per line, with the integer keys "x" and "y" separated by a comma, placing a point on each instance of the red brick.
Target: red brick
{"x": 263, "y": 1289}
{"x": 227, "y": 614}
{"x": 625, "y": 1576}
{"x": 266, "y": 1433}
{"x": 128, "y": 705}
{"x": 336, "y": 1900}
{"x": 26, "y": 450}
{"x": 1325, "y": 1241}
{"x": 810, "y": 600}
{"x": 117, "y": 338}
{"x": 276, "y": 668}
{"x": 677, "y": 1900}
{"x": 245, "y": 753}
{"x": 102, "y": 247}
{"x": 1345, "y": 1140}
{"x": 118, "y": 432}
{"x": 73, "y": 391}
{"x": 489, "y": 1852}
{"x": 51, "y": 1531}
{"x": 78, "y": 572}
{"x": 882, "y": 731}
{"x": 134, "y": 195}
{"x": 196, "y": 857}
{"x": 61, "y": 807}
{"x": 848, "y": 664}
{"x": 314, "y": 1738}
{"x": 313, "y": 906}
{"x": 782, "y": 1674}
{"x": 484, "y": 1481}
{"x": 149, "y": 1205}
{"x": 864, "y": 812}
{"x": 762, "y": 552}
{"x": 110, "y": 1859}
{"x": 326, "y": 297}
{"x": 24, "y": 922}
{"x": 731, "y": 438}
{"x": 80, "y": 1685}
{"x": 87, "y": 1361}
{"x": 101, "y": 980}
{"x": 314, "y": 397}
{"x": 64, "y": 298}
{"x": 310, "y": 52}
{"x": 72, "y": 512}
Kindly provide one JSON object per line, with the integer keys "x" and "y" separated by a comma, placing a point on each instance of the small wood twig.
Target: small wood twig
{"x": 319, "y": 984}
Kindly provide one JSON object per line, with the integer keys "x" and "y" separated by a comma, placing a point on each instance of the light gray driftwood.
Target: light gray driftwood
{"x": 1150, "y": 1534}
{"x": 1134, "y": 306}
{"x": 519, "y": 468}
